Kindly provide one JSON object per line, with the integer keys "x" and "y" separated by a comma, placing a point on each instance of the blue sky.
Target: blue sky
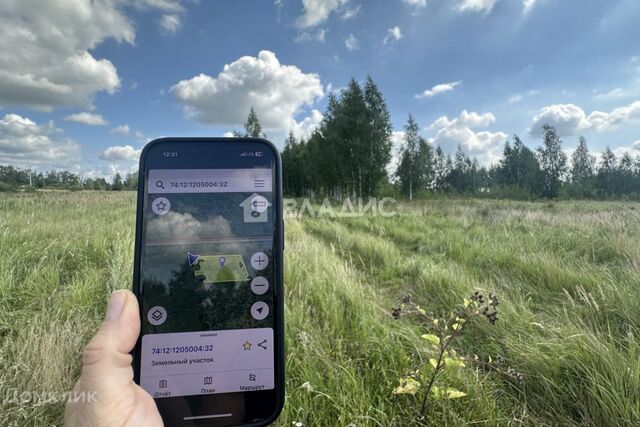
{"x": 84, "y": 85}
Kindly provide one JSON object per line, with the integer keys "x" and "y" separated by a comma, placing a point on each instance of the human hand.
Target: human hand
{"x": 108, "y": 375}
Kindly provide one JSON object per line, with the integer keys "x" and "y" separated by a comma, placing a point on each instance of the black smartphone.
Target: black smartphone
{"x": 209, "y": 280}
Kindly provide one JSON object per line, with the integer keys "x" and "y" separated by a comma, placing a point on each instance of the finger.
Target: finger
{"x": 108, "y": 352}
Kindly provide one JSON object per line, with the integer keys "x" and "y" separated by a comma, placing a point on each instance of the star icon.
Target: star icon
{"x": 161, "y": 206}
{"x": 246, "y": 346}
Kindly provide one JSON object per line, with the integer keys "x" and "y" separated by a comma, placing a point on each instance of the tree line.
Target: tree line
{"x": 349, "y": 153}
{"x": 12, "y": 178}
{"x": 521, "y": 172}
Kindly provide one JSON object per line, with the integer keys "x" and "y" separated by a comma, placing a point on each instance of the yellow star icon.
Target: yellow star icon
{"x": 247, "y": 345}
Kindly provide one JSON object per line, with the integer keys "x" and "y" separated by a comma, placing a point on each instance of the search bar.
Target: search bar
{"x": 165, "y": 181}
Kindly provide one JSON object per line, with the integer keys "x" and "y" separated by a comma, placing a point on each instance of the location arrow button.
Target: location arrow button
{"x": 259, "y": 310}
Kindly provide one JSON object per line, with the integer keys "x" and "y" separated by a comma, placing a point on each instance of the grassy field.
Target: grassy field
{"x": 567, "y": 275}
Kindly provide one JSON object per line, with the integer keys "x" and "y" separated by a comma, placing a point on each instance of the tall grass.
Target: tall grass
{"x": 567, "y": 275}
{"x": 61, "y": 254}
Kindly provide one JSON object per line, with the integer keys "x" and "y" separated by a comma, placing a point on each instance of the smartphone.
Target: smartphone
{"x": 208, "y": 276}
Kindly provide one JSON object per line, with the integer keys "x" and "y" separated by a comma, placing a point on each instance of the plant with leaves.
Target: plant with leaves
{"x": 349, "y": 130}
{"x": 519, "y": 168}
{"x": 348, "y": 153}
{"x": 462, "y": 175}
{"x": 607, "y": 172}
{"x": 118, "y": 183}
{"x": 377, "y": 143}
{"x": 441, "y": 169}
{"x": 499, "y": 365}
{"x": 553, "y": 162}
{"x": 625, "y": 182}
{"x": 252, "y": 127}
{"x": 440, "y": 337}
{"x": 294, "y": 176}
{"x": 414, "y": 168}
{"x": 582, "y": 163}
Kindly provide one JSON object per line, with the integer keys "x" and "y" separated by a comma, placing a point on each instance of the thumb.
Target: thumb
{"x": 107, "y": 362}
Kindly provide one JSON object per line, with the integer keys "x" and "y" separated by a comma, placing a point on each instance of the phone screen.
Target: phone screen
{"x": 209, "y": 280}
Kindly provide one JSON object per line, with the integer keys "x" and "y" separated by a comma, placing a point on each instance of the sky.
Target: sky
{"x": 84, "y": 84}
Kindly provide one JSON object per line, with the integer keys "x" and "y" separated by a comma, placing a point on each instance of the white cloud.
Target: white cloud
{"x": 142, "y": 138}
{"x": 120, "y": 152}
{"x": 350, "y": 13}
{"x": 126, "y": 131}
{"x": 351, "y": 42}
{"x": 228, "y": 134}
{"x": 24, "y": 143}
{"x": 416, "y": 3}
{"x": 438, "y": 89}
{"x": 122, "y": 130}
{"x": 393, "y": 35}
{"x": 46, "y": 58}
{"x": 119, "y": 168}
{"x": 108, "y": 170}
{"x": 277, "y": 92}
{"x": 306, "y": 126}
{"x": 185, "y": 227}
{"x": 336, "y": 90}
{"x": 470, "y": 119}
{"x": 171, "y": 23}
{"x": 169, "y": 6}
{"x": 316, "y": 12}
{"x": 633, "y": 150}
{"x": 486, "y": 6}
{"x": 173, "y": 11}
{"x": 91, "y": 174}
{"x": 486, "y": 146}
{"x": 612, "y": 94}
{"x": 306, "y": 36}
{"x": 569, "y": 119}
{"x": 89, "y": 119}
{"x": 397, "y": 140}
{"x": 602, "y": 121}
{"x": 517, "y": 97}
{"x": 476, "y": 5}
{"x": 528, "y": 5}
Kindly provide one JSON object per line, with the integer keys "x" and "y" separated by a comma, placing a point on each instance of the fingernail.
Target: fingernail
{"x": 116, "y": 304}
